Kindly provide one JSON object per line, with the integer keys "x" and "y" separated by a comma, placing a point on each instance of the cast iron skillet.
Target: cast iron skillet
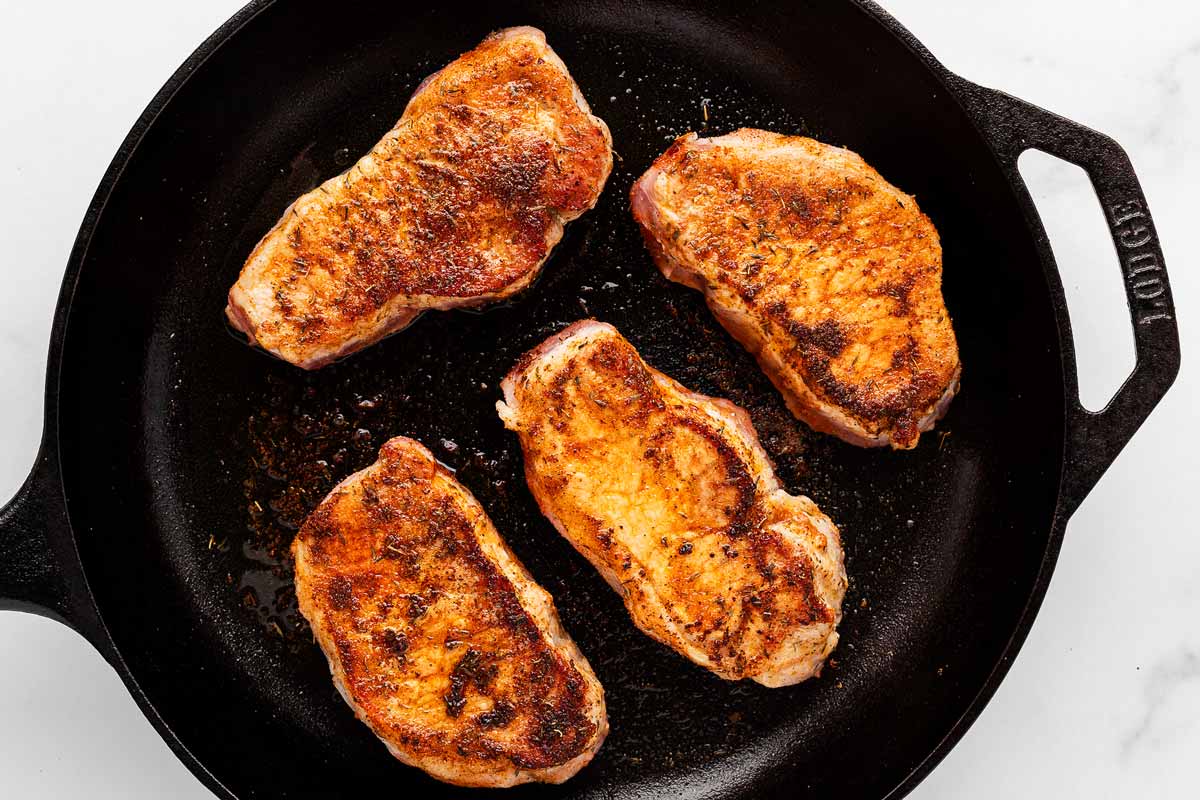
{"x": 177, "y": 462}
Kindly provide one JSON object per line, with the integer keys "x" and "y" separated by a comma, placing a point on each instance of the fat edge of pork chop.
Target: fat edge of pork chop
{"x": 825, "y": 272}
{"x": 459, "y": 205}
{"x": 436, "y": 635}
{"x": 670, "y": 495}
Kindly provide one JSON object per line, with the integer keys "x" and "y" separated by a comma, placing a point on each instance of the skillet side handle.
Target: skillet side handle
{"x": 39, "y": 568}
{"x": 1094, "y": 439}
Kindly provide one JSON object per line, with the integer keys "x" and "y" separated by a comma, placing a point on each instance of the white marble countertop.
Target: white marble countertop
{"x": 1103, "y": 701}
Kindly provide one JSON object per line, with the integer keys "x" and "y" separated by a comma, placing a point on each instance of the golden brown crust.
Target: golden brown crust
{"x": 670, "y": 495}
{"x": 829, "y": 274}
{"x": 458, "y": 205}
{"x": 436, "y": 635}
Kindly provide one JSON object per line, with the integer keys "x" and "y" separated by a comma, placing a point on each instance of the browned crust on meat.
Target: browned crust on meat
{"x": 828, "y": 274}
{"x": 458, "y": 205}
{"x": 672, "y": 498}
{"x": 432, "y": 641}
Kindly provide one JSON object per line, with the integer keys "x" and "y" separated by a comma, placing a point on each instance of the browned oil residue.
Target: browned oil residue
{"x": 300, "y": 443}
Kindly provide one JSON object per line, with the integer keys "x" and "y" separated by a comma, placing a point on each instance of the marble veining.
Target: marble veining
{"x": 1164, "y": 681}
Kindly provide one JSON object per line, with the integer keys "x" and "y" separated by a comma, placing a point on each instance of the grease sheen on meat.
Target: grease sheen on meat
{"x": 436, "y": 635}
{"x": 827, "y": 273}
{"x": 671, "y": 497}
{"x": 458, "y": 205}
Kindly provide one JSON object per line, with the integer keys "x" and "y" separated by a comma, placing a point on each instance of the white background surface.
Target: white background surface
{"x": 1104, "y": 700}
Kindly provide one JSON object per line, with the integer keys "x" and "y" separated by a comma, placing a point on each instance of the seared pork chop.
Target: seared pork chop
{"x": 458, "y": 205}
{"x": 436, "y": 635}
{"x": 671, "y": 497}
{"x": 823, "y": 270}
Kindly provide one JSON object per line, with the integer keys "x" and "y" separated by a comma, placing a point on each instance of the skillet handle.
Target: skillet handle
{"x": 1094, "y": 438}
{"x": 40, "y": 571}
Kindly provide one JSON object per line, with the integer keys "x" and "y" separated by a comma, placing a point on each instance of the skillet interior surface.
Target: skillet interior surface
{"x": 189, "y": 459}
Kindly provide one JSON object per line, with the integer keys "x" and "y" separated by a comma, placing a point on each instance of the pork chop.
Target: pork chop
{"x": 436, "y": 635}
{"x": 671, "y": 497}
{"x": 458, "y": 205}
{"x": 823, "y": 270}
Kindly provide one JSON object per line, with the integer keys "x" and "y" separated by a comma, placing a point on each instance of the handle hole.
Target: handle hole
{"x": 1091, "y": 274}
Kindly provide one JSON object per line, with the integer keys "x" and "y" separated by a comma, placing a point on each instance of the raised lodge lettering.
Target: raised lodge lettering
{"x": 1148, "y": 289}
{"x": 1135, "y": 236}
{"x": 1142, "y": 262}
{"x": 1123, "y": 212}
{"x": 1132, "y": 230}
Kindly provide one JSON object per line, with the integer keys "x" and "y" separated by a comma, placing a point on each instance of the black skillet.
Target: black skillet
{"x": 177, "y": 462}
